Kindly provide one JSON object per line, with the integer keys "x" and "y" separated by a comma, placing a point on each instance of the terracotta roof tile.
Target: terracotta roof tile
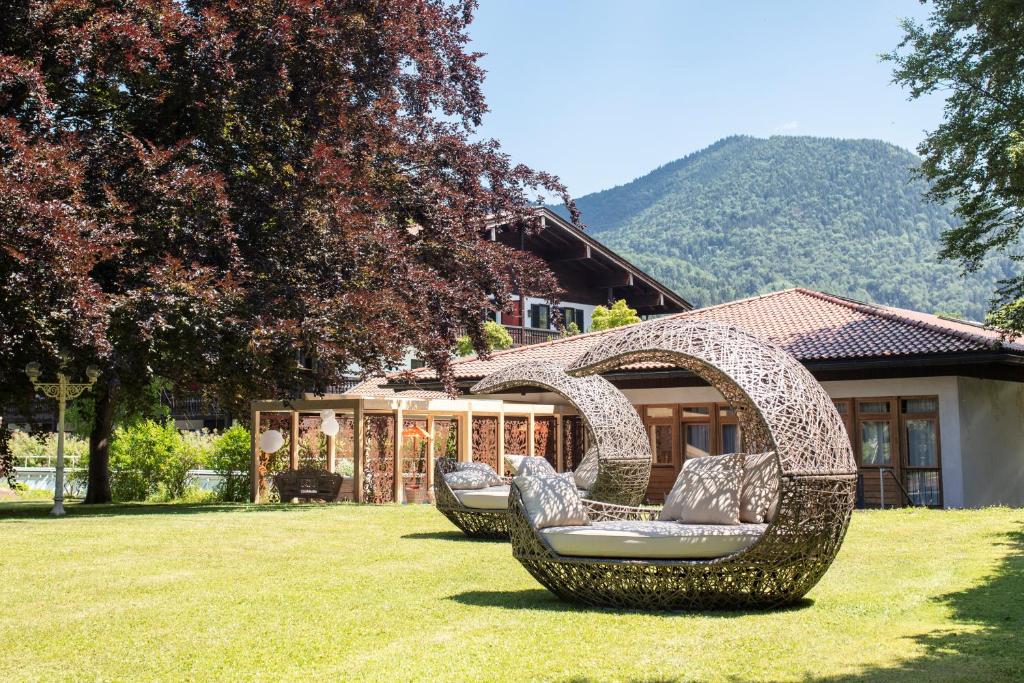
{"x": 811, "y": 325}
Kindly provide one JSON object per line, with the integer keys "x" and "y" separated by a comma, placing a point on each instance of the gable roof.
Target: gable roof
{"x": 813, "y": 326}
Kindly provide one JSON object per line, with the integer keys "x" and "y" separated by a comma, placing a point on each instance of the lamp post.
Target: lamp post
{"x": 63, "y": 391}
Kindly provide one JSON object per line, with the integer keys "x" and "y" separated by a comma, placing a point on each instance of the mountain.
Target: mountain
{"x": 750, "y": 215}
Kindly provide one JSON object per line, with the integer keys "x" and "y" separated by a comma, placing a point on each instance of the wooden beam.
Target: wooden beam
{"x": 430, "y": 458}
{"x": 621, "y": 279}
{"x": 293, "y": 441}
{"x": 399, "y": 426}
{"x": 501, "y": 445}
{"x": 254, "y": 467}
{"x": 529, "y": 431}
{"x": 467, "y": 437}
{"x": 559, "y": 457}
{"x": 331, "y": 451}
{"x": 358, "y": 436}
{"x": 576, "y": 252}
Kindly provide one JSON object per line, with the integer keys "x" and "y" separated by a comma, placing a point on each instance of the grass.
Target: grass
{"x": 367, "y": 593}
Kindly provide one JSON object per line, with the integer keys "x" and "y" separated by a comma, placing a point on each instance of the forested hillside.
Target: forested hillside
{"x": 748, "y": 215}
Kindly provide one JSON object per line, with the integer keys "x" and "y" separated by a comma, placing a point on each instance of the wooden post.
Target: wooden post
{"x": 501, "y": 444}
{"x": 358, "y": 429}
{"x": 529, "y": 433}
{"x": 293, "y": 442}
{"x": 559, "y": 455}
{"x": 430, "y": 454}
{"x": 466, "y": 440}
{"x": 399, "y": 427}
{"x": 254, "y": 468}
{"x": 331, "y": 452}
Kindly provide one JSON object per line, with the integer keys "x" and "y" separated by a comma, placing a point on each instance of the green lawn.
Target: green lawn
{"x": 369, "y": 593}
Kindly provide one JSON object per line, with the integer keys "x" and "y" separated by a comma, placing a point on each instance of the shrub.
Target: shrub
{"x": 230, "y": 458}
{"x": 36, "y": 451}
{"x": 618, "y": 315}
{"x": 147, "y": 454}
{"x": 495, "y": 335}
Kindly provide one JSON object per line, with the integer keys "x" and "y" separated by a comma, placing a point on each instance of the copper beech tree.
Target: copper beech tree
{"x": 202, "y": 191}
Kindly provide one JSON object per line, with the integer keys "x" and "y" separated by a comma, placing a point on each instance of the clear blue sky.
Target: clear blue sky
{"x": 603, "y": 91}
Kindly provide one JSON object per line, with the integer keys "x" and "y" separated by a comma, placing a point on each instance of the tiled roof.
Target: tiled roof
{"x": 811, "y": 325}
{"x": 371, "y": 388}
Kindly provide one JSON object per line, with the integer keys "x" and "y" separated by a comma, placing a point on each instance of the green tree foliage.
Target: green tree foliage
{"x": 973, "y": 51}
{"x": 496, "y": 338}
{"x": 619, "y": 314}
{"x": 231, "y": 459}
{"x": 748, "y": 216}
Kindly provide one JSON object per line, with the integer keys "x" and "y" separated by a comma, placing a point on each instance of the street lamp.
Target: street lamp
{"x": 63, "y": 391}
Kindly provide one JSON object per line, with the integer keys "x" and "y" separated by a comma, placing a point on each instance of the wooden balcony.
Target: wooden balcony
{"x": 524, "y": 336}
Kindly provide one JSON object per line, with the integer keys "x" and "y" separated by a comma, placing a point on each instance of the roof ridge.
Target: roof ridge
{"x": 889, "y": 313}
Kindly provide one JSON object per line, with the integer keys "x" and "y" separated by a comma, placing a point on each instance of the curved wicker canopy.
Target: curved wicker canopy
{"x": 623, "y": 450}
{"x": 779, "y": 404}
{"x": 781, "y": 408}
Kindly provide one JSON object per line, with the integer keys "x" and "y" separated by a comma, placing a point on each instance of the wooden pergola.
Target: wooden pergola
{"x": 371, "y": 436}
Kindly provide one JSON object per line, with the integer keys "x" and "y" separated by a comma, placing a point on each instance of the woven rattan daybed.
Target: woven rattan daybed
{"x": 781, "y": 408}
{"x": 616, "y": 435}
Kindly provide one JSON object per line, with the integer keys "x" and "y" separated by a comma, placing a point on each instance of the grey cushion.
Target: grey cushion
{"x": 652, "y": 540}
{"x": 707, "y": 491}
{"x": 490, "y": 498}
{"x": 551, "y": 500}
{"x": 534, "y": 466}
{"x": 759, "y": 494}
{"x": 586, "y": 473}
{"x": 473, "y": 478}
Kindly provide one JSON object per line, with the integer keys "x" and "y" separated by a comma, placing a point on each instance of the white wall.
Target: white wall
{"x": 992, "y": 441}
{"x": 588, "y": 310}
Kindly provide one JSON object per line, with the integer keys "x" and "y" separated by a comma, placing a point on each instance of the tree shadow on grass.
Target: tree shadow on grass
{"x": 994, "y": 651}
{"x": 541, "y": 599}
{"x": 25, "y": 510}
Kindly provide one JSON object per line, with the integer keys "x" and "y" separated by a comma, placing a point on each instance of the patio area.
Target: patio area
{"x": 914, "y": 594}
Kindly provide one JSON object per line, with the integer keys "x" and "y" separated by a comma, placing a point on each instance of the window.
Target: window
{"x": 875, "y": 443}
{"x": 540, "y": 316}
{"x": 661, "y": 429}
{"x": 698, "y": 440}
{"x": 919, "y": 432}
{"x": 661, "y": 443}
{"x": 730, "y": 434}
{"x": 417, "y": 363}
{"x": 574, "y": 316}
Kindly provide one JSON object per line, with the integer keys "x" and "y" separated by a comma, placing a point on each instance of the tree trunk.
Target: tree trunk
{"x": 99, "y": 444}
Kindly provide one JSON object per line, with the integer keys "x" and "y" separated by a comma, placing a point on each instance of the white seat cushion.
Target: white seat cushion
{"x": 652, "y": 540}
{"x": 490, "y": 498}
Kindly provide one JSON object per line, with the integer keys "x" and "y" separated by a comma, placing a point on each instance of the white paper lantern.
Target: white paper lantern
{"x": 330, "y": 426}
{"x": 326, "y": 414}
{"x": 271, "y": 441}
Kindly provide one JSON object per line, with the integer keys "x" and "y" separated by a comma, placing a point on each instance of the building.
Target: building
{"x": 934, "y": 406}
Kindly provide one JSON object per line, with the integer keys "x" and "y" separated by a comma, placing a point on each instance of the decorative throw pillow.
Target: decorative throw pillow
{"x": 512, "y": 463}
{"x": 586, "y": 473}
{"x": 473, "y": 478}
{"x": 552, "y": 500}
{"x": 707, "y": 491}
{"x": 482, "y": 466}
{"x": 759, "y": 493}
{"x": 534, "y": 466}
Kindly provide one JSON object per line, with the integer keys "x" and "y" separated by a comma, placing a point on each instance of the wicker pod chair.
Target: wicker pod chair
{"x": 781, "y": 408}
{"x": 615, "y": 429}
{"x": 622, "y": 449}
{"x": 474, "y": 522}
